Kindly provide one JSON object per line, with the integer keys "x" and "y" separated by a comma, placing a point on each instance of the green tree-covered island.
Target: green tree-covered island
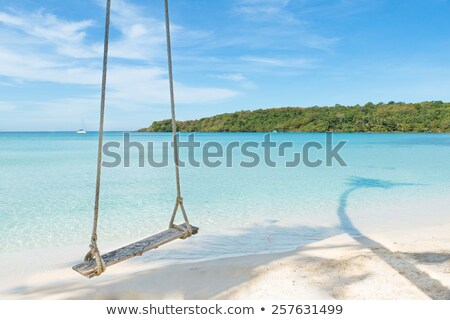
{"x": 431, "y": 116}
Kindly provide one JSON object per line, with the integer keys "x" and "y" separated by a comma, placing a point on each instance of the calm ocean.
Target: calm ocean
{"x": 47, "y": 185}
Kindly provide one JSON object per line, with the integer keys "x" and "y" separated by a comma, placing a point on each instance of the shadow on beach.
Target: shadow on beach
{"x": 420, "y": 279}
{"x": 175, "y": 279}
{"x": 219, "y": 276}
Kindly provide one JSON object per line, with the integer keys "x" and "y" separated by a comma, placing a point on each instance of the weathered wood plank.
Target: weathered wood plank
{"x": 87, "y": 268}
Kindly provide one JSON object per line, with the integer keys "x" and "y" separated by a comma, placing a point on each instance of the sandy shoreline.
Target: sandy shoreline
{"x": 406, "y": 264}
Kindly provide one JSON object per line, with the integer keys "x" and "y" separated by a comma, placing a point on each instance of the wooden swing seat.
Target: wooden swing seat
{"x": 88, "y": 268}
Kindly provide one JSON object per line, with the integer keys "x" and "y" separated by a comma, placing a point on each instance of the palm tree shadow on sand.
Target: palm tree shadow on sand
{"x": 217, "y": 281}
{"x": 420, "y": 279}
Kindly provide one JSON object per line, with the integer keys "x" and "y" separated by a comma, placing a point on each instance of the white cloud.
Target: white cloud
{"x": 44, "y": 67}
{"x": 285, "y": 23}
{"x": 66, "y": 36}
{"x": 236, "y": 77}
{"x": 134, "y": 36}
{"x": 267, "y": 9}
{"x": 336, "y": 8}
{"x": 280, "y": 62}
{"x": 5, "y": 106}
{"x": 141, "y": 37}
{"x": 149, "y": 85}
{"x": 42, "y": 47}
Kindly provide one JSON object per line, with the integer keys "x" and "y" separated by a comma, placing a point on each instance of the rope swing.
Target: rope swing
{"x": 94, "y": 263}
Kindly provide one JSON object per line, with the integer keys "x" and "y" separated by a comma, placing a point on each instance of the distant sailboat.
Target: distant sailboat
{"x": 82, "y": 131}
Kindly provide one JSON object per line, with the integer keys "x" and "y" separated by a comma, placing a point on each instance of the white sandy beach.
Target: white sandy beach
{"x": 406, "y": 264}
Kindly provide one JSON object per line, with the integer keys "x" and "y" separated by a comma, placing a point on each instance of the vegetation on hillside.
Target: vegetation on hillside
{"x": 431, "y": 116}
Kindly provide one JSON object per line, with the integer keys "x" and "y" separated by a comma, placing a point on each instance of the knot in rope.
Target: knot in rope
{"x": 94, "y": 254}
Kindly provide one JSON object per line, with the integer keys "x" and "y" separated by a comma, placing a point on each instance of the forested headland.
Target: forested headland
{"x": 431, "y": 116}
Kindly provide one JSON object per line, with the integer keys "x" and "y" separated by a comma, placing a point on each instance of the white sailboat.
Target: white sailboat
{"x": 82, "y": 131}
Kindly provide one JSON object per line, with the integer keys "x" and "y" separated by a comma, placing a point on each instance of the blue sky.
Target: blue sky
{"x": 228, "y": 55}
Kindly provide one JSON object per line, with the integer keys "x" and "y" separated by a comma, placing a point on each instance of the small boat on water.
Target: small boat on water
{"x": 82, "y": 131}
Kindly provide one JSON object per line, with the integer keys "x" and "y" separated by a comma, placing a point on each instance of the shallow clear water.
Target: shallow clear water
{"x": 47, "y": 185}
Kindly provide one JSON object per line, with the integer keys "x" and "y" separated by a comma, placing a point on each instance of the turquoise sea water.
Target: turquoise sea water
{"x": 47, "y": 185}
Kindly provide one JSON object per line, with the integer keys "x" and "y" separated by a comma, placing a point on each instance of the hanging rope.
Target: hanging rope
{"x": 94, "y": 252}
{"x": 179, "y": 201}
